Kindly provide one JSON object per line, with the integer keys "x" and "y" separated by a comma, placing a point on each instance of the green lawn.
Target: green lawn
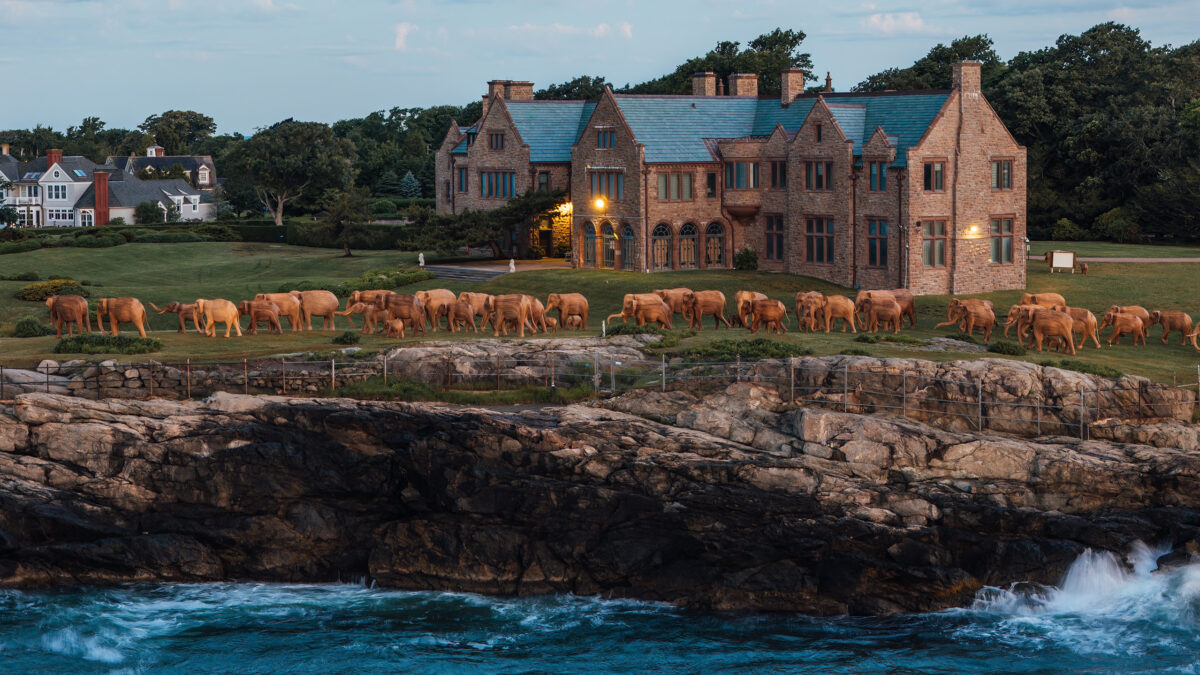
{"x": 163, "y": 272}
{"x": 1105, "y": 249}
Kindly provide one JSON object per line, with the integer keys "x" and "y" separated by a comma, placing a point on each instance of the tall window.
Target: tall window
{"x": 202, "y": 175}
{"x": 85, "y": 219}
{"x": 818, "y": 175}
{"x": 819, "y": 133}
{"x": 628, "y": 249}
{"x": 589, "y": 245}
{"x": 497, "y": 184}
{"x": 687, "y": 246}
{"x": 714, "y": 245}
{"x": 496, "y": 141}
{"x": 462, "y": 180}
{"x": 608, "y": 246}
{"x": 774, "y": 237}
{"x": 877, "y": 243}
{"x": 56, "y": 192}
{"x": 660, "y": 250}
{"x": 711, "y": 180}
{"x": 608, "y": 184}
{"x": 933, "y": 243}
{"x": 741, "y": 175}
{"x": 674, "y": 187}
{"x": 606, "y": 139}
{"x": 1002, "y": 174}
{"x": 1002, "y": 240}
{"x": 543, "y": 181}
{"x": 471, "y": 138}
{"x": 778, "y": 174}
{"x": 878, "y": 176}
{"x": 818, "y": 241}
{"x": 935, "y": 176}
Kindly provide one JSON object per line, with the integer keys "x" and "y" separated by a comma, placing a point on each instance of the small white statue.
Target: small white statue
{"x": 420, "y": 259}
{"x": 512, "y": 265}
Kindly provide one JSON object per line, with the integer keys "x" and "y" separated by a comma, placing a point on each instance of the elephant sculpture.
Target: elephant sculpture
{"x": 1043, "y": 299}
{"x": 551, "y": 324}
{"x": 460, "y": 315}
{"x": 1084, "y": 324}
{"x": 969, "y": 315}
{"x": 902, "y": 296}
{"x": 707, "y": 303}
{"x": 1019, "y": 317}
{"x": 568, "y": 304}
{"x": 1124, "y": 323}
{"x": 882, "y": 310}
{"x": 372, "y": 315}
{"x": 394, "y": 328}
{"x": 289, "y": 307}
{"x": 318, "y": 303}
{"x": 1171, "y": 321}
{"x": 405, "y": 307}
{"x": 477, "y": 302}
{"x": 365, "y": 297}
{"x": 70, "y": 311}
{"x": 826, "y": 308}
{"x": 678, "y": 299}
{"x": 744, "y": 303}
{"x": 261, "y": 311}
{"x": 219, "y": 310}
{"x": 1048, "y": 323}
{"x": 1136, "y": 310}
{"x": 804, "y": 319}
{"x": 771, "y": 313}
{"x": 509, "y": 307}
{"x": 119, "y": 311}
{"x": 575, "y": 322}
{"x": 437, "y": 303}
{"x": 643, "y": 307}
{"x": 537, "y": 315}
{"x": 186, "y": 312}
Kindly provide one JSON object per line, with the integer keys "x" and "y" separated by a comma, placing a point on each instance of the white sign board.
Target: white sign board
{"x": 1062, "y": 260}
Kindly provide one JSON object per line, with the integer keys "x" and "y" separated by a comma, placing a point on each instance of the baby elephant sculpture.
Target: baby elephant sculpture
{"x": 121, "y": 310}
{"x": 261, "y": 311}
{"x": 395, "y": 328}
{"x": 186, "y": 312}
{"x": 567, "y": 304}
{"x": 289, "y": 307}
{"x": 71, "y": 311}
{"x": 575, "y": 322}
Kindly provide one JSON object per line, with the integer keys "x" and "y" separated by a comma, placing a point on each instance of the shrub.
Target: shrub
{"x": 347, "y": 338}
{"x": 1082, "y": 367}
{"x": 39, "y": 291}
{"x": 31, "y": 327}
{"x": 99, "y": 241}
{"x": 217, "y": 232}
{"x": 963, "y": 337}
{"x": 854, "y": 351}
{"x": 726, "y": 349}
{"x": 370, "y": 280}
{"x": 380, "y": 206}
{"x": 169, "y": 238}
{"x": 1119, "y": 226}
{"x": 24, "y": 276}
{"x": 746, "y": 259}
{"x": 535, "y": 252}
{"x": 1006, "y": 347}
{"x": 148, "y": 212}
{"x": 116, "y": 221}
{"x": 876, "y": 338}
{"x": 31, "y": 244}
{"x": 94, "y": 343}
{"x": 133, "y": 232}
{"x": 1065, "y": 230}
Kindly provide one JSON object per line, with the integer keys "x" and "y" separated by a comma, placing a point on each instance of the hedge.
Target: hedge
{"x": 169, "y": 238}
{"x": 93, "y": 343}
{"x": 372, "y": 237}
{"x": 31, "y": 327}
{"x": 20, "y": 246}
{"x": 100, "y": 240}
{"x": 39, "y": 291}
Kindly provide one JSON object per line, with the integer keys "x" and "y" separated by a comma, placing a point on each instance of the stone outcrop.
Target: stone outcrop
{"x": 732, "y": 500}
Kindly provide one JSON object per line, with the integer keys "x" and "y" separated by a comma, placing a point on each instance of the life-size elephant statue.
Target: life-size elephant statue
{"x": 806, "y": 318}
{"x": 1083, "y": 324}
{"x": 186, "y": 312}
{"x": 372, "y": 315}
{"x": 1043, "y": 299}
{"x": 707, "y": 303}
{"x": 365, "y": 297}
{"x": 969, "y": 315}
{"x": 318, "y": 303}
{"x": 882, "y": 311}
{"x": 289, "y": 307}
{"x": 437, "y": 303}
{"x": 1123, "y": 323}
{"x": 405, "y": 307}
{"x": 902, "y": 296}
{"x": 502, "y": 309}
{"x": 461, "y": 314}
{"x": 771, "y": 313}
{"x": 643, "y": 307}
{"x": 70, "y": 311}
{"x": 477, "y": 301}
{"x": 261, "y": 311}
{"x": 394, "y": 328}
{"x": 823, "y": 309}
{"x": 567, "y": 304}
{"x": 744, "y": 302}
{"x": 678, "y": 299}
{"x": 119, "y": 311}
{"x": 1136, "y": 310}
{"x": 537, "y": 315}
{"x": 1048, "y": 323}
{"x": 1171, "y": 321}
{"x": 219, "y": 310}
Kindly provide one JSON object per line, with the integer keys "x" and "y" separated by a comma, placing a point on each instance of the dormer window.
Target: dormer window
{"x": 202, "y": 175}
{"x": 606, "y": 139}
{"x": 470, "y": 138}
{"x": 496, "y": 141}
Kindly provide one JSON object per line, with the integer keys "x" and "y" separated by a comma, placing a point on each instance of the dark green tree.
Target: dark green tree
{"x": 584, "y": 87}
{"x": 178, "y": 131}
{"x": 8, "y": 215}
{"x": 346, "y": 209}
{"x": 147, "y": 212}
{"x": 388, "y": 184}
{"x": 935, "y": 69}
{"x": 767, "y": 55}
{"x": 409, "y": 187}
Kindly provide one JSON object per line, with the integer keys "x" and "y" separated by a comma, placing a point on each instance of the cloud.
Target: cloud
{"x": 403, "y": 30}
{"x": 601, "y": 30}
{"x": 1121, "y": 14}
{"x": 892, "y": 23}
{"x": 626, "y": 30}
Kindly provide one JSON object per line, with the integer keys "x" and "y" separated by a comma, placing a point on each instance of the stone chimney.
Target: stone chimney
{"x": 53, "y": 156}
{"x": 518, "y": 91}
{"x": 743, "y": 84}
{"x": 828, "y": 83}
{"x": 704, "y": 84}
{"x": 485, "y": 106}
{"x": 496, "y": 88}
{"x": 720, "y": 87}
{"x": 793, "y": 85}
{"x": 100, "y": 188}
{"x": 968, "y": 76}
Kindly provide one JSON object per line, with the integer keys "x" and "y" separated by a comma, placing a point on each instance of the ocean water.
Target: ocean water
{"x": 1102, "y": 618}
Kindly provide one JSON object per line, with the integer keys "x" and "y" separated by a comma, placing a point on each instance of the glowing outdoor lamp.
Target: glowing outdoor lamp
{"x": 599, "y": 203}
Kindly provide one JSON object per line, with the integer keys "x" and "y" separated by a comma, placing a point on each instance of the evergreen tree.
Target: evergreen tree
{"x": 388, "y": 184}
{"x": 410, "y": 187}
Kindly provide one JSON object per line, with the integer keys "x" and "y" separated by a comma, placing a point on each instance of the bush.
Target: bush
{"x": 30, "y": 327}
{"x": 133, "y": 232}
{"x": 347, "y": 338}
{"x": 1082, "y": 367}
{"x": 24, "y": 276}
{"x": 1006, "y": 347}
{"x": 381, "y": 206}
{"x": 39, "y": 291}
{"x": 1065, "y": 230}
{"x": 31, "y": 244}
{"x": 99, "y": 241}
{"x": 898, "y": 338}
{"x": 726, "y": 349}
{"x": 118, "y": 221}
{"x": 148, "y": 212}
{"x": 373, "y": 279}
{"x": 263, "y": 233}
{"x": 1119, "y": 226}
{"x": 535, "y": 252}
{"x": 745, "y": 259}
{"x": 94, "y": 343}
{"x": 854, "y": 351}
{"x": 963, "y": 337}
{"x": 217, "y": 232}
{"x": 169, "y": 238}
{"x": 633, "y": 329}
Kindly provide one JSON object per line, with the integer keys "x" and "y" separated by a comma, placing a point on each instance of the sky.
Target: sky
{"x": 250, "y": 63}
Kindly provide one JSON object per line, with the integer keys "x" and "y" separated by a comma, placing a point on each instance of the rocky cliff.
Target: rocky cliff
{"x": 731, "y": 500}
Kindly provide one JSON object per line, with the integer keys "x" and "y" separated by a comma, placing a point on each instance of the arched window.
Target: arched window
{"x": 608, "y": 246}
{"x": 687, "y": 246}
{"x": 628, "y": 253}
{"x": 589, "y": 245}
{"x": 714, "y": 245}
{"x": 660, "y": 251}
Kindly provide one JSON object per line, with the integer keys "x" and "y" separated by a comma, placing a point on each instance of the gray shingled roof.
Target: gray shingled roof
{"x": 188, "y": 162}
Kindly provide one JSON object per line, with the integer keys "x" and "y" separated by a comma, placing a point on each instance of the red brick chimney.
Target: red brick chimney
{"x": 53, "y": 156}
{"x": 159, "y": 151}
{"x": 3, "y": 148}
{"x": 100, "y": 187}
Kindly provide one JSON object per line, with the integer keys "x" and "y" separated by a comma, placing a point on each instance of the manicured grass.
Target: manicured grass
{"x": 1105, "y": 249}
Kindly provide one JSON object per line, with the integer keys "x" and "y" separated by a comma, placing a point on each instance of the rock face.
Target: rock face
{"x": 729, "y": 500}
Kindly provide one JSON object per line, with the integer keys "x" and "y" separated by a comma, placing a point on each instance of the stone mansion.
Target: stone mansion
{"x": 922, "y": 190}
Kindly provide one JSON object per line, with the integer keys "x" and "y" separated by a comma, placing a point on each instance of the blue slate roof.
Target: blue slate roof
{"x": 550, "y": 128}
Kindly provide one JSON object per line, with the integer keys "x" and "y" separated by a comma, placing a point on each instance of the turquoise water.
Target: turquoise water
{"x": 1101, "y": 619}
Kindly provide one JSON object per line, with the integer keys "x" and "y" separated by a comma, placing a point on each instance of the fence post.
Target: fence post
{"x": 553, "y": 361}
{"x": 791, "y": 381}
{"x": 47, "y": 379}
{"x": 1139, "y": 406}
{"x": 332, "y": 374}
{"x": 979, "y": 404}
{"x": 904, "y": 393}
{"x": 664, "y": 372}
{"x": 283, "y": 376}
{"x": 1039, "y": 404}
{"x": 189, "y": 379}
{"x": 596, "y": 372}
{"x": 603, "y": 329}
{"x": 152, "y": 379}
{"x": 737, "y": 373}
{"x": 497, "y": 372}
{"x": 245, "y": 377}
{"x": 845, "y": 387}
{"x": 1, "y": 383}
{"x": 1081, "y": 413}
{"x": 612, "y": 372}
{"x": 385, "y": 360}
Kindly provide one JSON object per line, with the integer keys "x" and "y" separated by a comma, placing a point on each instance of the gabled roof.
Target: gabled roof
{"x": 550, "y": 128}
{"x": 188, "y": 162}
{"x": 130, "y": 191}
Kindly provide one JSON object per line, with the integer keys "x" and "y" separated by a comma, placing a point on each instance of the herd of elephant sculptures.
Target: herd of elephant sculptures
{"x": 1044, "y": 318}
